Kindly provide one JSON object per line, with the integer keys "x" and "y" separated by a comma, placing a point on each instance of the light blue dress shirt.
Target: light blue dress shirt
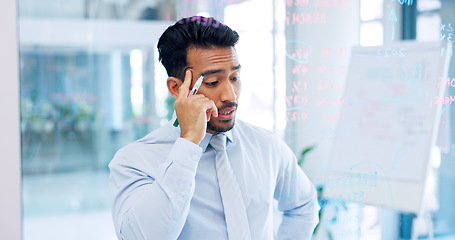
{"x": 165, "y": 187}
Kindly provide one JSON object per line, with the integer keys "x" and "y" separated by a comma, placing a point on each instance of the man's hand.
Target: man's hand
{"x": 193, "y": 112}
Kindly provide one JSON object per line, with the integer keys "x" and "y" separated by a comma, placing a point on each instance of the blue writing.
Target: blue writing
{"x": 443, "y": 52}
{"x": 403, "y": 2}
{"x": 364, "y": 180}
{"x": 414, "y": 77}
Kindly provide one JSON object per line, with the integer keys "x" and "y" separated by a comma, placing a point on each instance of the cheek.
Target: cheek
{"x": 238, "y": 89}
{"x": 212, "y": 95}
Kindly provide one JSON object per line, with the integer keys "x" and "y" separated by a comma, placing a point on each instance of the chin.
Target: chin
{"x": 221, "y": 126}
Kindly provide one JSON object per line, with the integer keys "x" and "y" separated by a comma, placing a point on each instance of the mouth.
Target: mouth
{"x": 227, "y": 113}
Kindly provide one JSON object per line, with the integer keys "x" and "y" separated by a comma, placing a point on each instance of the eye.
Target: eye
{"x": 211, "y": 84}
{"x": 236, "y": 78}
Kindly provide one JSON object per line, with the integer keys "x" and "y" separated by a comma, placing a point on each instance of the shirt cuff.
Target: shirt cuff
{"x": 186, "y": 153}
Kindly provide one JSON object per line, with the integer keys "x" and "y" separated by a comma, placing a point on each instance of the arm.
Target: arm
{"x": 297, "y": 199}
{"x": 153, "y": 203}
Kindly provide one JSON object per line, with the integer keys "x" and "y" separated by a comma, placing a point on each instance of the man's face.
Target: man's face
{"x": 221, "y": 84}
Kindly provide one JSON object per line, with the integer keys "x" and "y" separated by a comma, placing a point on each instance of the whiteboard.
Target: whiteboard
{"x": 394, "y": 98}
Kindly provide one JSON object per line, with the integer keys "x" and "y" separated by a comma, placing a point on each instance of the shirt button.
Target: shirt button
{"x": 195, "y": 157}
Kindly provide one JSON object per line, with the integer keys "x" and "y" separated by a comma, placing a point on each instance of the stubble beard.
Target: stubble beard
{"x": 219, "y": 129}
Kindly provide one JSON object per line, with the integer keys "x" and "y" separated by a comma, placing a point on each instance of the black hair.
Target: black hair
{"x": 194, "y": 31}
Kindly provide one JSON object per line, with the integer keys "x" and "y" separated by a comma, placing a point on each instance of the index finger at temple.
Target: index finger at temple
{"x": 185, "y": 87}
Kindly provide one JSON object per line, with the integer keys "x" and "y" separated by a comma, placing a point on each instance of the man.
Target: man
{"x": 184, "y": 181}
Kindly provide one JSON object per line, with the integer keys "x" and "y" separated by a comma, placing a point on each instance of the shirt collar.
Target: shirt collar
{"x": 206, "y": 140}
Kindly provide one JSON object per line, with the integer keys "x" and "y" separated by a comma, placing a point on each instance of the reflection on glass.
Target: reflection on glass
{"x": 86, "y": 91}
{"x": 78, "y": 109}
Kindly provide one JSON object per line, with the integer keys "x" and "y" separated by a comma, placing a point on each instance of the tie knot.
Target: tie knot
{"x": 218, "y": 142}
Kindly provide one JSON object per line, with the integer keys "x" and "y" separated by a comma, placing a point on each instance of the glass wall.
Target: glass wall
{"x": 91, "y": 83}
{"x": 79, "y": 105}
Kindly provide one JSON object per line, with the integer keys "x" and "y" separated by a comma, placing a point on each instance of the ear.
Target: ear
{"x": 173, "y": 85}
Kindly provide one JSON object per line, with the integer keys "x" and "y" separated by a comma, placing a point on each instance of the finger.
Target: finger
{"x": 184, "y": 89}
{"x": 208, "y": 115}
{"x": 214, "y": 109}
{"x": 211, "y": 111}
{"x": 210, "y": 108}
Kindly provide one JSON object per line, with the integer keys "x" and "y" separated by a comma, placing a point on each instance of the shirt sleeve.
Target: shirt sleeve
{"x": 153, "y": 207}
{"x": 297, "y": 199}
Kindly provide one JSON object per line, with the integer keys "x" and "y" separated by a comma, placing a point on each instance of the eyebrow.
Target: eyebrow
{"x": 219, "y": 70}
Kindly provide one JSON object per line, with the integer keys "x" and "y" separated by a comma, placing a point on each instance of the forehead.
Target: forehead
{"x": 204, "y": 58}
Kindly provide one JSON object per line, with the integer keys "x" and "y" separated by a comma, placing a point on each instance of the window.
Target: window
{"x": 91, "y": 83}
{"x": 372, "y": 21}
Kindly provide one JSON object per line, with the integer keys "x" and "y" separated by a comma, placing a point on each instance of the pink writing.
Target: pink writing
{"x": 306, "y": 18}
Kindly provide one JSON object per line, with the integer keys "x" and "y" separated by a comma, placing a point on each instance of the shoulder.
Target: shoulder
{"x": 162, "y": 135}
{"x": 270, "y": 146}
{"x": 261, "y": 135}
{"x": 151, "y": 146}
{"x": 253, "y": 131}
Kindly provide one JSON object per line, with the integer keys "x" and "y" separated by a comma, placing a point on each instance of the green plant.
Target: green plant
{"x": 304, "y": 153}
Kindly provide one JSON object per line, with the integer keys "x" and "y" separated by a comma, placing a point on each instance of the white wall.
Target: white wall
{"x": 10, "y": 171}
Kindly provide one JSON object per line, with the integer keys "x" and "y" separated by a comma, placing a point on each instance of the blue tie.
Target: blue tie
{"x": 234, "y": 208}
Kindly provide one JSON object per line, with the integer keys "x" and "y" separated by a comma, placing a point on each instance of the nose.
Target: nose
{"x": 228, "y": 92}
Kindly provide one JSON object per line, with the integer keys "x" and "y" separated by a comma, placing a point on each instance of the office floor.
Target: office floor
{"x": 93, "y": 225}
{"x": 70, "y": 206}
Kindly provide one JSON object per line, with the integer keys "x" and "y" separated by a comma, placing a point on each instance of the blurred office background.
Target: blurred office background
{"x": 90, "y": 83}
